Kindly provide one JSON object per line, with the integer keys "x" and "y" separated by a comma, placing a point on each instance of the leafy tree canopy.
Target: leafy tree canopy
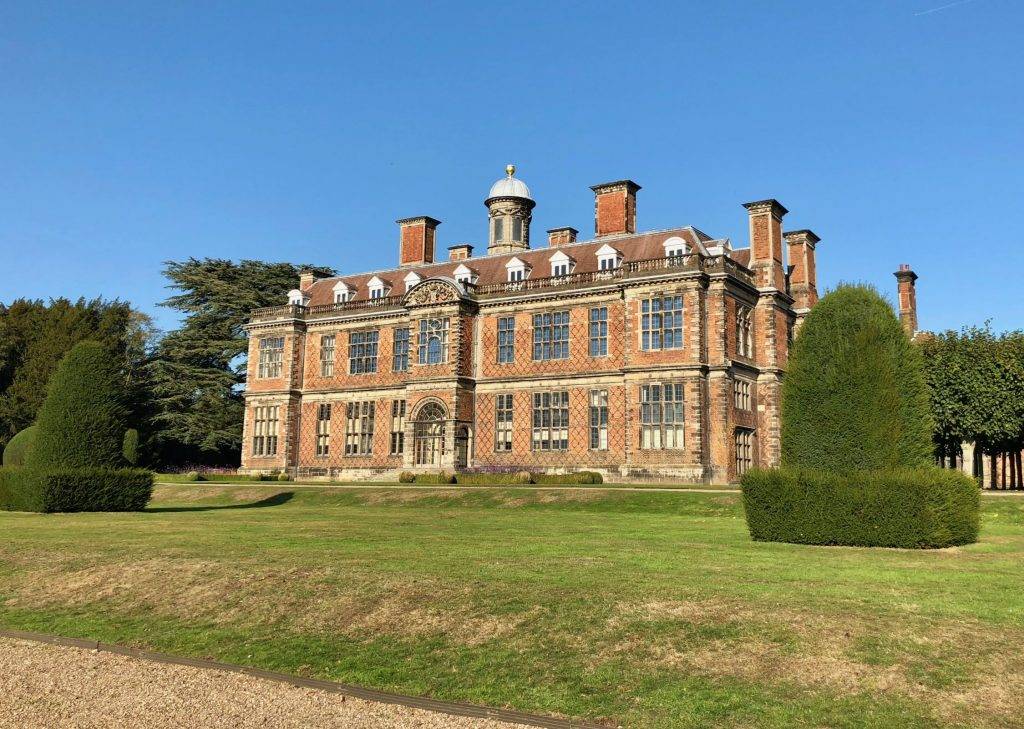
{"x": 198, "y": 370}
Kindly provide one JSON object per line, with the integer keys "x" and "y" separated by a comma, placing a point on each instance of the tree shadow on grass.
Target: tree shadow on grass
{"x": 276, "y": 500}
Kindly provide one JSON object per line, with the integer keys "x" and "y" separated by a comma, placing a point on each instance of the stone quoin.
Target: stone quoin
{"x": 640, "y": 355}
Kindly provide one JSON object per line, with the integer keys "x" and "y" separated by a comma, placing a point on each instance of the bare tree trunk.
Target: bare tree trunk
{"x": 992, "y": 470}
{"x": 1020, "y": 470}
{"x": 1013, "y": 470}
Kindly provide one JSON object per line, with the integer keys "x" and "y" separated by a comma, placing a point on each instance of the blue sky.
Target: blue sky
{"x": 132, "y": 133}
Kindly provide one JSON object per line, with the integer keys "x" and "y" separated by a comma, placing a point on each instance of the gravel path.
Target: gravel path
{"x": 44, "y": 686}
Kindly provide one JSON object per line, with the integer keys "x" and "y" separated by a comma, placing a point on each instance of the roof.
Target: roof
{"x": 491, "y": 269}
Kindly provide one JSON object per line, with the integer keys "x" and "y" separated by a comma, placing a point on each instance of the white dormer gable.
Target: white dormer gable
{"x": 297, "y": 298}
{"x": 411, "y": 279}
{"x": 517, "y": 269}
{"x": 561, "y": 264}
{"x": 343, "y": 292}
{"x": 464, "y": 274}
{"x": 675, "y": 246}
{"x": 608, "y": 258}
{"x": 721, "y": 247}
{"x": 376, "y": 287}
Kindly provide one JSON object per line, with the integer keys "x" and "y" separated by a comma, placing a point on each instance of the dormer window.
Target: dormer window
{"x": 411, "y": 280}
{"x": 608, "y": 258}
{"x": 561, "y": 264}
{"x": 297, "y": 298}
{"x": 464, "y": 274}
{"x": 377, "y": 288}
{"x": 675, "y": 247}
{"x": 343, "y": 293}
{"x": 517, "y": 270}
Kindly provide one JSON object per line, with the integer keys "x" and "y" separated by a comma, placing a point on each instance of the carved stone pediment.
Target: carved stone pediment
{"x": 433, "y": 291}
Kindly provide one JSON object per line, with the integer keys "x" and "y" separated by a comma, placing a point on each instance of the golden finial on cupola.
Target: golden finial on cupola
{"x": 510, "y": 170}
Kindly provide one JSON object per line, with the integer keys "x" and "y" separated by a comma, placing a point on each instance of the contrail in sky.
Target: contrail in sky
{"x": 943, "y": 7}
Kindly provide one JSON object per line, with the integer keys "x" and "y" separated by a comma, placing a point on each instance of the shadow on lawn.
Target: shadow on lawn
{"x": 276, "y": 500}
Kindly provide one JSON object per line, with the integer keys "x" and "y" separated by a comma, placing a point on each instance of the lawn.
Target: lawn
{"x": 646, "y": 609}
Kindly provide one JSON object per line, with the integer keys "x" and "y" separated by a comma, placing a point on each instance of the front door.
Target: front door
{"x": 428, "y": 436}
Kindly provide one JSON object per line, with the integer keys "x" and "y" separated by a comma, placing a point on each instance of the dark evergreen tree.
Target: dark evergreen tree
{"x": 83, "y": 420}
{"x": 854, "y": 396}
{"x": 197, "y": 373}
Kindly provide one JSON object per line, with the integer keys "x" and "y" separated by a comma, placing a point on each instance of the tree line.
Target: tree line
{"x": 183, "y": 388}
{"x": 976, "y": 384}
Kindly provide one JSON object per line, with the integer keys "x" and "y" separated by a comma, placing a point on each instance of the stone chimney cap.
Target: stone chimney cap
{"x": 611, "y": 186}
{"x": 564, "y": 227}
{"x": 771, "y": 204}
{"x": 426, "y": 219}
{"x": 905, "y": 273}
{"x": 809, "y": 235}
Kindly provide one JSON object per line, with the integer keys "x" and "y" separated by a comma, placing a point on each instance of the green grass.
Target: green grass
{"x": 649, "y": 609}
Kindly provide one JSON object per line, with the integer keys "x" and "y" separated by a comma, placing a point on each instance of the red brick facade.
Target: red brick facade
{"x": 665, "y": 362}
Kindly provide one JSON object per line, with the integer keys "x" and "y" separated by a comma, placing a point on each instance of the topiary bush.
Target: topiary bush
{"x": 75, "y": 489}
{"x": 82, "y": 422}
{"x": 194, "y": 476}
{"x": 910, "y": 508}
{"x": 522, "y": 477}
{"x": 283, "y": 476}
{"x": 578, "y": 477}
{"x": 17, "y": 449}
{"x": 854, "y": 396}
{"x": 407, "y": 477}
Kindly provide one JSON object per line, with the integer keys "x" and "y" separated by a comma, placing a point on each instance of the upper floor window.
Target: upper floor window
{"x": 327, "y": 355}
{"x": 608, "y": 258}
{"x": 741, "y": 394}
{"x": 551, "y": 336}
{"x": 297, "y": 298}
{"x": 376, "y": 287}
{"x": 561, "y": 264}
{"x": 464, "y": 274}
{"x": 661, "y": 416}
{"x": 271, "y": 356}
{"x": 506, "y": 339}
{"x": 516, "y": 269}
{"x": 599, "y": 331}
{"x": 433, "y": 341}
{"x": 661, "y": 323}
{"x": 411, "y": 280}
{"x": 744, "y": 331}
{"x": 499, "y": 229}
{"x": 675, "y": 247}
{"x": 400, "y": 350}
{"x": 343, "y": 293}
{"x": 362, "y": 352}
{"x": 560, "y": 269}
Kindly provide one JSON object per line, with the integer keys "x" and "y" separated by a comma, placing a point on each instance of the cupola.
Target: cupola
{"x": 510, "y": 210}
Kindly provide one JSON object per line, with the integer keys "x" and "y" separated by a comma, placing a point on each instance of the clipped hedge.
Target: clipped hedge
{"x": 501, "y": 479}
{"x": 578, "y": 477}
{"x": 18, "y": 447}
{"x": 910, "y": 508}
{"x": 79, "y": 489}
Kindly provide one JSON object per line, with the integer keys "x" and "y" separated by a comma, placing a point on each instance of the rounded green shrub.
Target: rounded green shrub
{"x": 130, "y": 446}
{"x": 82, "y": 421}
{"x": 590, "y": 477}
{"x": 193, "y": 476}
{"x": 283, "y": 476}
{"x": 854, "y": 396}
{"x": 522, "y": 477}
{"x": 19, "y": 447}
{"x": 407, "y": 477}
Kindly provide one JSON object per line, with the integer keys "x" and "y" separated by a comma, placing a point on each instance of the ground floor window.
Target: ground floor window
{"x": 359, "y": 428}
{"x": 550, "y": 421}
{"x": 323, "y": 429}
{"x": 503, "y": 423}
{"x": 744, "y": 450}
{"x": 599, "y": 420}
{"x": 397, "y": 427}
{"x": 264, "y": 431}
{"x": 661, "y": 416}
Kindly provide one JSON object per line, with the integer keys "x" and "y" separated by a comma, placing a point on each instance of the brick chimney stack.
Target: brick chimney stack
{"x": 306, "y": 279}
{"x": 905, "y": 285}
{"x": 615, "y": 208}
{"x": 803, "y": 285}
{"x": 766, "y": 243}
{"x": 562, "y": 236}
{"x": 460, "y": 252}
{"x": 416, "y": 240}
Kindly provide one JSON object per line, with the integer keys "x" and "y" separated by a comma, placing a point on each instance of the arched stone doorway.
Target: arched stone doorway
{"x": 429, "y": 435}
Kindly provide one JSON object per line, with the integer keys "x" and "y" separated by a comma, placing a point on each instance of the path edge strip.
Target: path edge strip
{"x": 357, "y": 692}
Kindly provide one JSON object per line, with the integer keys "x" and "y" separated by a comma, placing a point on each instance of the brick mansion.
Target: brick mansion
{"x": 636, "y": 354}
